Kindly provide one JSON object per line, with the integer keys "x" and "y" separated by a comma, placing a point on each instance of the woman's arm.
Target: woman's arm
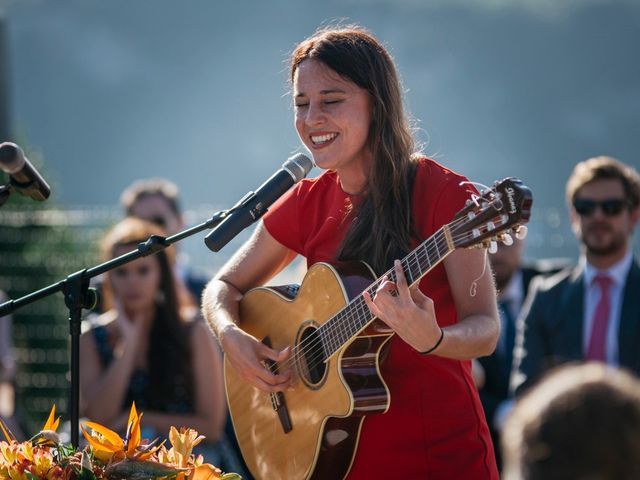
{"x": 411, "y": 314}
{"x": 478, "y": 328}
{"x": 255, "y": 263}
{"x": 104, "y": 389}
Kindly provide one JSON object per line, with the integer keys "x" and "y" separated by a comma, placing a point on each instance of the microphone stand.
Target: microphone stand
{"x": 78, "y": 295}
{"x": 5, "y": 191}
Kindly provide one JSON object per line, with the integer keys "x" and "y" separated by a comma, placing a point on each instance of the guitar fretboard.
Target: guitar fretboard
{"x": 353, "y": 318}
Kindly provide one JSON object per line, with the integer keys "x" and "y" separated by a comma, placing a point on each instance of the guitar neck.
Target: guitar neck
{"x": 352, "y": 319}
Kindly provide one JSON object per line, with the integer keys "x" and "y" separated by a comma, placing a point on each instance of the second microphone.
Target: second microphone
{"x": 255, "y": 204}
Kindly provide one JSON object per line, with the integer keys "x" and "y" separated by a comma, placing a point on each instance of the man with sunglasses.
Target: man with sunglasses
{"x": 590, "y": 312}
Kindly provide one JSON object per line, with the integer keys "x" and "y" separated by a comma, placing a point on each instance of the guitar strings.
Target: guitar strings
{"x": 334, "y": 327}
{"x": 341, "y": 325}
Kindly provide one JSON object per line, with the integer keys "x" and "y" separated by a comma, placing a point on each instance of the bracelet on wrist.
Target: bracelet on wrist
{"x": 432, "y": 349}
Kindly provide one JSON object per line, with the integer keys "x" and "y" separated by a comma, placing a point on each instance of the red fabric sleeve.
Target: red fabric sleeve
{"x": 451, "y": 200}
{"x": 438, "y": 196}
{"x": 282, "y": 220}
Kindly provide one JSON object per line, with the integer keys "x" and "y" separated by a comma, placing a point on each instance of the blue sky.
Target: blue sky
{"x": 103, "y": 93}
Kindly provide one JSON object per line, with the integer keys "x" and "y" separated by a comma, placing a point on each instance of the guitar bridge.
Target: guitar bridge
{"x": 277, "y": 398}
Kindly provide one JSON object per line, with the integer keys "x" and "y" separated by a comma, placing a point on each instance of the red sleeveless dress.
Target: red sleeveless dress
{"x": 435, "y": 427}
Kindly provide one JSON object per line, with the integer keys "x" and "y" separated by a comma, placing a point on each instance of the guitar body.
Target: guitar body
{"x": 312, "y": 431}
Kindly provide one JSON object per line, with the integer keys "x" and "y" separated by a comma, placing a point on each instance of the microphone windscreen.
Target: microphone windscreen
{"x": 11, "y": 158}
{"x": 298, "y": 166}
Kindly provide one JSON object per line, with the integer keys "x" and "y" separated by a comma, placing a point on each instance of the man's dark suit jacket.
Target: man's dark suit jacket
{"x": 496, "y": 383}
{"x": 550, "y": 329}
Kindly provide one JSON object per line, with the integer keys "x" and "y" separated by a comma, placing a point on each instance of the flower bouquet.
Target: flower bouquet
{"x": 106, "y": 456}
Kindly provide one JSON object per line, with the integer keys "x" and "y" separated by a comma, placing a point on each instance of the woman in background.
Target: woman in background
{"x": 149, "y": 347}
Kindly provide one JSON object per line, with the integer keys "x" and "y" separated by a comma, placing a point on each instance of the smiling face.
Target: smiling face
{"x": 333, "y": 117}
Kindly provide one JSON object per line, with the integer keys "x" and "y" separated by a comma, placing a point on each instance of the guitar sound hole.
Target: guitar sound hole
{"x": 313, "y": 366}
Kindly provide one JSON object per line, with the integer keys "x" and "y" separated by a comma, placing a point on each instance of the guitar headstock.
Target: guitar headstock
{"x": 493, "y": 215}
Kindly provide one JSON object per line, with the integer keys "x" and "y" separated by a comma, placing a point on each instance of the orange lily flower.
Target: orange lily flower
{"x": 183, "y": 441}
{"x": 180, "y": 455}
{"x": 206, "y": 471}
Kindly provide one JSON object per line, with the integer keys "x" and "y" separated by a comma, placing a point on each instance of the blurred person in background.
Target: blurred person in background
{"x": 592, "y": 311}
{"x": 8, "y": 374}
{"x": 148, "y": 348}
{"x": 512, "y": 276}
{"x": 157, "y": 200}
{"x": 579, "y": 422}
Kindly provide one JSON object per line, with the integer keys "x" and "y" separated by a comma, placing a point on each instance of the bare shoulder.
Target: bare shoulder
{"x": 103, "y": 320}
{"x": 199, "y": 328}
{"x": 206, "y": 350}
{"x": 200, "y": 332}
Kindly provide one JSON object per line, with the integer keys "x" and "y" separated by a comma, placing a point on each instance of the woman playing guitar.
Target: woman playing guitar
{"x": 375, "y": 201}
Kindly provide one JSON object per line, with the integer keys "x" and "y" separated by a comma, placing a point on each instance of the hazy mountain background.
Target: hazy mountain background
{"x": 106, "y": 92}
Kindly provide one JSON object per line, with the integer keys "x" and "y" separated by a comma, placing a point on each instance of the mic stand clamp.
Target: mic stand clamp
{"x": 5, "y": 191}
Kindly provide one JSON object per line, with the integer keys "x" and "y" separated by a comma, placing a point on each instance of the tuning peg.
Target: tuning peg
{"x": 493, "y": 247}
{"x": 521, "y": 232}
{"x": 506, "y": 239}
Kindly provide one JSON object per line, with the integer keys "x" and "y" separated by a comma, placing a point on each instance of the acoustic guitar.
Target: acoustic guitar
{"x": 312, "y": 431}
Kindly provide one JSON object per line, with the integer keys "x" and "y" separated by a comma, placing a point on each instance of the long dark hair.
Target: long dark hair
{"x": 169, "y": 356}
{"x": 357, "y": 56}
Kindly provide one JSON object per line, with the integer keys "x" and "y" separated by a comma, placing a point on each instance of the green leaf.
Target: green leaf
{"x": 137, "y": 470}
{"x": 86, "y": 475}
{"x": 86, "y": 472}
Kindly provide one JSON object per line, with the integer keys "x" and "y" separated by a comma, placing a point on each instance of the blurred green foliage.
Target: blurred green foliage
{"x": 38, "y": 247}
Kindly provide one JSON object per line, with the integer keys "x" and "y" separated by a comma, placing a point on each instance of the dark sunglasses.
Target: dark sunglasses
{"x": 610, "y": 207}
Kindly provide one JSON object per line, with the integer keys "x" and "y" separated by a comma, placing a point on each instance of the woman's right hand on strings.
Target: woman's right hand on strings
{"x": 249, "y": 357}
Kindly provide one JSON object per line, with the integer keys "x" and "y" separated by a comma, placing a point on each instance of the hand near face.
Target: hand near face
{"x": 406, "y": 310}
{"x": 129, "y": 326}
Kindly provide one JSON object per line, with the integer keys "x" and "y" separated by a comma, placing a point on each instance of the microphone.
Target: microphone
{"x": 24, "y": 176}
{"x": 255, "y": 204}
